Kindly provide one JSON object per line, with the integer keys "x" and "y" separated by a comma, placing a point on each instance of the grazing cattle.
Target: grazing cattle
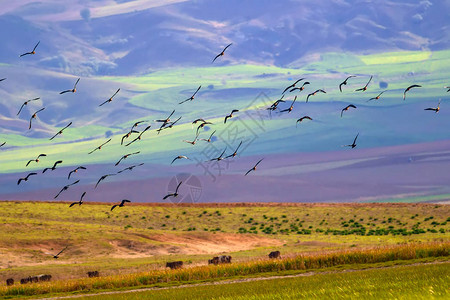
{"x": 274, "y": 254}
{"x": 9, "y": 281}
{"x": 225, "y": 259}
{"x": 93, "y": 274}
{"x": 25, "y": 280}
{"x": 34, "y": 279}
{"x": 213, "y": 261}
{"x": 174, "y": 264}
{"x": 44, "y": 277}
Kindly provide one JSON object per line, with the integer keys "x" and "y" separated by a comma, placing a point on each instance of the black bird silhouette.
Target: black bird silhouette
{"x": 235, "y": 151}
{"x": 192, "y": 97}
{"x": 137, "y": 124}
{"x": 301, "y": 119}
{"x": 32, "y": 52}
{"x": 126, "y": 156}
{"x": 299, "y": 88}
{"x": 110, "y": 98}
{"x": 209, "y": 139}
{"x": 138, "y": 138}
{"x": 128, "y": 135}
{"x": 26, "y": 103}
{"x": 167, "y": 120}
{"x": 347, "y": 108}
{"x": 2, "y": 79}
{"x": 314, "y": 93}
{"x": 198, "y": 120}
{"x": 100, "y": 147}
{"x": 220, "y": 157}
{"x": 61, "y": 131}
{"x": 290, "y": 107}
{"x": 175, "y": 194}
{"x": 103, "y": 178}
{"x": 34, "y": 116}
{"x": 221, "y": 53}
{"x": 377, "y": 97}
{"x": 65, "y": 188}
{"x": 435, "y": 109}
{"x": 230, "y": 115}
{"x": 254, "y": 167}
{"x": 363, "y": 89}
{"x": 25, "y": 178}
{"x": 345, "y": 82}
{"x": 130, "y": 168}
{"x": 57, "y": 255}
{"x": 203, "y": 125}
{"x": 408, "y": 88}
{"x": 292, "y": 85}
{"x": 167, "y": 125}
{"x": 179, "y": 157}
{"x": 54, "y": 166}
{"x": 71, "y": 90}
{"x": 36, "y": 160}
{"x": 353, "y": 145}
{"x": 122, "y": 203}
{"x": 2, "y": 144}
{"x": 75, "y": 171}
{"x": 275, "y": 104}
{"x": 78, "y": 202}
{"x": 194, "y": 141}
{"x": 447, "y": 87}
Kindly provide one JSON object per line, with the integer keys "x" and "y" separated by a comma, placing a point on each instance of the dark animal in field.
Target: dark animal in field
{"x": 9, "y": 281}
{"x": 25, "y": 280}
{"x": 213, "y": 261}
{"x": 93, "y": 274}
{"x": 32, "y": 51}
{"x": 221, "y": 53}
{"x": 275, "y": 254}
{"x": 71, "y": 90}
{"x": 44, "y": 277}
{"x": 225, "y": 259}
{"x": 174, "y": 265}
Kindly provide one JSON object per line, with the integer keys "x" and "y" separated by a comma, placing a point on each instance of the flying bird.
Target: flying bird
{"x": 34, "y": 116}
{"x": 353, "y": 145}
{"x": 26, "y": 177}
{"x": 100, "y": 147}
{"x": 71, "y": 90}
{"x": 363, "y": 89}
{"x": 220, "y": 157}
{"x": 57, "y": 255}
{"x": 175, "y": 194}
{"x": 447, "y": 87}
{"x": 314, "y": 93}
{"x": 377, "y": 97}
{"x": 179, "y": 157}
{"x": 36, "y": 160}
{"x": 408, "y": 88}
{"x": 130, "y": 168}
{"x": 209, "y": 139}
{"x": 138, "y": 138}
{"x": 32, "y": 52}
{"x": 2, "y": 144}
{"x": 221, "y": 53}
{"x": 26, "y": 103}
{"x": 301, "y": 120}
{"x": 235, "y": 151}
{"x": 203, "y": 125}
{"x": 122, "y": 203}
{"x": 61, "y": 131}
{"x": 192, "y": 97}
{"x": 292, "y": 85}
{"x": 78, "y": 202}
{"x": 254, "y": 167}
{"x": 2, "y": 79}
{"x": 275, "y": 104}
{"x": 299, "y": 88}
{"x": 103, "y": 178}
{"x": 75, "y": 171}
{"x": 290, "y": 107}
{"x": 167, "y": 125}
{"x": 345, "y": 82}
{"x": 347, "y": 108}
{"x": 110, "y": 98}
{"x": 54, "y": 166}
{"x": 230, "y": 115}
{"x": 126, "y": 156}
{"x": 137, "y": 124}
{"x": 194, "y": 141}
{"x": 127, "y": 135}
{"x": 166, "y": 120}
{"x": 435, "y": 109}
{"x": 65, "y": 188}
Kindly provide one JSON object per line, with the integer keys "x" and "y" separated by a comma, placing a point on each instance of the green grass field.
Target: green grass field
{"x": 407, "y": 282}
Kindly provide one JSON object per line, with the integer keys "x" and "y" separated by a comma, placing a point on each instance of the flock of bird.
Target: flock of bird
{"x": 167, "y": 123}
